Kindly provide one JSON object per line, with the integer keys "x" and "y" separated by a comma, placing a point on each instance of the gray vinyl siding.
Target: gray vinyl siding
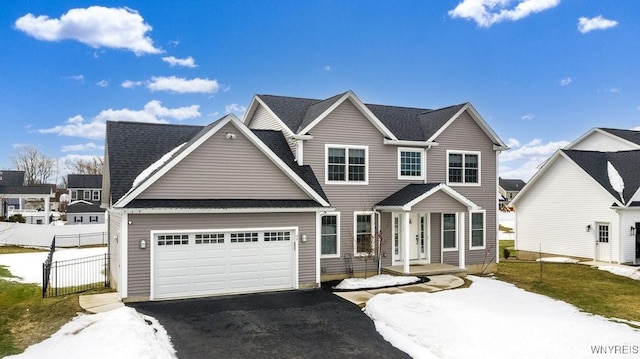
{"x": 225, "y": 169}
{"x": 465, "y": 135}
{"x": 264, "y": 120}
{"x": 347, "y": 126}
{"x": 113, "y": 232}
{"x": 139, "y": 259}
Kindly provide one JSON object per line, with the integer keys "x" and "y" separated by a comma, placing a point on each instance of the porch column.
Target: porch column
{"x": 461, "y": 240}
{"x": 405, "y": 242}
{"x": 46, "y": 210}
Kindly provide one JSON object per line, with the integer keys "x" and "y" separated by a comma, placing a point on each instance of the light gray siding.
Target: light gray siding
{"x": 142, "y": 225}
{"x": 263, "y": 120}
{"x": 225, "y": 169}
{"x": 465, "y": 135}
{"x": 436, "y": 238}
{"x": 439, "y": 202}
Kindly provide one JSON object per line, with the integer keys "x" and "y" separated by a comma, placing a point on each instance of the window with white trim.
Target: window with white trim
{"x": 87, "y": 195}
{"x": 477, "y": 228}
{"x": 96, "y": 195}
{"x": 410, "y": 163}
{"x": 93, "y": 219}
{"x": 346, "y": 164}
{"x": 364, "y": 230}
{"x": 463, "y": 167}
{"x": 74, "y": 195}
{"x": 330, "y": 234}
{"x": 77, "y": 219}
{"x": 449, "y": 231}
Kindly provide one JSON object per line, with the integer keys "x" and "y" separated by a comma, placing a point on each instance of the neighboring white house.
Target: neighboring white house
{"x": 584, "y": 201}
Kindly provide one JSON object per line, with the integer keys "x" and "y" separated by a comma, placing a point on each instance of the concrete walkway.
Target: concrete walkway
{"x": 436, "y": 283}
{"x": 98, "y": 303}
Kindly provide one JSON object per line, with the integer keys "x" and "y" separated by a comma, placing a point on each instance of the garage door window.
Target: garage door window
{"x": 209, "y": 238}
{"x": 244, "y": 237}
{"x": 173, "y": 239}
{"x": 277, "y": 236}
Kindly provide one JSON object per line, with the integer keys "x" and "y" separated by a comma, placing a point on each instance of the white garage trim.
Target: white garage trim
{"x": 228, "y": 232}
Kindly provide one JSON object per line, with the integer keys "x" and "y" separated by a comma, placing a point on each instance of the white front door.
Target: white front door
{"x": 603, "y": 245}
{"x": 418, "y": 237}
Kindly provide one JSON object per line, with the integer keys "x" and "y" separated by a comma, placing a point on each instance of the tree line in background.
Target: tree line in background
{"x": 39, "y": 168}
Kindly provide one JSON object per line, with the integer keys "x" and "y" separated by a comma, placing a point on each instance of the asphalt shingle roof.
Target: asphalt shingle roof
{"x": 627, "y": 163}
{"x": 11, "y": 178}
{"x": 511, "y": 184}
{"x": 407, "y": 194}
{"x": 406, "y": 123}
{"x": 34, "y": 189}
{"x": 84, "y": 181}
{"x": 222, "y": 203}
{"x": 81, "y": 207}
{"x": 134, "y": 146}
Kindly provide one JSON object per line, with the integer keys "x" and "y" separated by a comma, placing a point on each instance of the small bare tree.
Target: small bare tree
{"x": 371, "y": 250}
{"x": 90, "y": 166}
{"x": 38, "y": 168}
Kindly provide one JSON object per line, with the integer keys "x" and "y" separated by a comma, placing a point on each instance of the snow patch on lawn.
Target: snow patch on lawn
{"x": 120, "y": 333}
{"x": 558, "y": 260}
{"x": 630, "y": 272}
{"x": 377, "y": 281}
{"x": 492, "y": 319}
{"x": 28, "y": 266}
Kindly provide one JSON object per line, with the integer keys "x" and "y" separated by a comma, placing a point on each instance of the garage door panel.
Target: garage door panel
{"x": 223, "y": 262}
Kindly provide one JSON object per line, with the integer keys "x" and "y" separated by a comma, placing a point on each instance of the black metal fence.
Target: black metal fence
{"x": 73, "y": 275}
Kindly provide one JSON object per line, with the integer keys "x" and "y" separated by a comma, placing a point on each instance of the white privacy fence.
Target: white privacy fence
{"x": 37, "y": 235}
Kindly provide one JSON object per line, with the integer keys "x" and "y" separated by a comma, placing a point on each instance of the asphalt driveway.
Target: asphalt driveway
{"x": 292, "y": 324}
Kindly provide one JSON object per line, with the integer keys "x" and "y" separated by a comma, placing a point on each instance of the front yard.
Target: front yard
{"x": 592, "y": 290}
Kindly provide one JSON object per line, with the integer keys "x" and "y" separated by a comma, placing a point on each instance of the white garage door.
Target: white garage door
{"x": 188, "y": 264}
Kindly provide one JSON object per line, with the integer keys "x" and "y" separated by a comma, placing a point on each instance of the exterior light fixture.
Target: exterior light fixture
{"x": 632, "y": 231}
{"x": 230, "y": 136}
{"x": 588, "y": 228}
{"x": 304, "y": 238}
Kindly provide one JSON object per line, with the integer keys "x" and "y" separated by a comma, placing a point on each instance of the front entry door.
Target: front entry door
{"x": 603, "y": 247}
{"x": 418, "y": 237}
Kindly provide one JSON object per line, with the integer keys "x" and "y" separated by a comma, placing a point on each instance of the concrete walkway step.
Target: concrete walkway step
{"x": 99, "y": 303}
{"x": 436, "y": 283}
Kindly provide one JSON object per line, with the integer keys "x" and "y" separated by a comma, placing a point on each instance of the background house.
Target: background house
{"x": 275, "y": 201}
{"x": 85, "y": 192}
{"x": 584, "y": 201}
{"x": 16, "y": 197}
{"x": 508, "y": 189}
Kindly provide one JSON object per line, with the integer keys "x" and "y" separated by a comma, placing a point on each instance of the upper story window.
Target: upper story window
{"x": 96, "y": 195}
{"x": 74, "y": 195}
{"x": 87, "y": 195}
{"x": 411, "y": 163}
{"x": 463, "y": 168}
{"x": 346, "y": 164}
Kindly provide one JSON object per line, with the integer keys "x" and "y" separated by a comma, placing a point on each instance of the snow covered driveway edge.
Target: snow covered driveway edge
{"x": 120, "y": 333}
{"x": 493, "y": 319}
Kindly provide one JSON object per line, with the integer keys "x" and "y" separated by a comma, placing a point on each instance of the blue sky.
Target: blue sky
{"x": 540, "y": 72}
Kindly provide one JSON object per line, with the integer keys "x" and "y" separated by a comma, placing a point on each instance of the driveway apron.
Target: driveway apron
{"x": 292, "y": 324}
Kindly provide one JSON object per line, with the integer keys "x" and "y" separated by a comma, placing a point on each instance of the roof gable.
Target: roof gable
{"x": 511, "y": 185}
{"x": 173, "y": 159}
{"x": 415, "y": 193}
{"x": 616, "y": 140}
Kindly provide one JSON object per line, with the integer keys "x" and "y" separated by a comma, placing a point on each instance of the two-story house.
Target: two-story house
{"x": 85, "y": 192}
{"x": 276, "y": 201}
{"x": 15, "y": 197}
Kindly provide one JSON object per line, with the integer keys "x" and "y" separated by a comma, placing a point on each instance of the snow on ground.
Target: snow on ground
{"x": 494, "y": 319}
{"x": 28, "y": 266}
{"x": 377, "y": 281}
{"x": 625, "y": 271}
{"x": 120, "y": 333}
{"x": 557, "y": 260}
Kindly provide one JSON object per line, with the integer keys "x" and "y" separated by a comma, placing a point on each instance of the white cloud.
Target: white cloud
{"x": 182, "y": 85}
{"x": 488, "y": 12}
{"x": 566, "y": 81}
{"x": 328, "y": 68}
{"x": 102, "y": 83}
{"x": 595, "y": 23}
{"x": 186, "y": 62}
{"x": 95, "y": 26}
{"x": 235, "y": 108}
{"x": 131, "y": 84}
{"x": 86, "y": 147}
{"x": 528, "y": 117}
{"x": 153, "y": 112}
{"x": 522, "y": 161}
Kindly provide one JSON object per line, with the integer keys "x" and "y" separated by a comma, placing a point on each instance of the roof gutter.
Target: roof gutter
{"x": 426, "y": 144}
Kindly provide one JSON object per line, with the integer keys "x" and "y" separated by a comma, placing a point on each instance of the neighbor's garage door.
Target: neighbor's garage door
{"x": 188, "y": 264}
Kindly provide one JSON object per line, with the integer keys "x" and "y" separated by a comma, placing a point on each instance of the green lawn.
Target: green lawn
{"x": 508, "y": 244}
{"x": 591, "y": 290}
